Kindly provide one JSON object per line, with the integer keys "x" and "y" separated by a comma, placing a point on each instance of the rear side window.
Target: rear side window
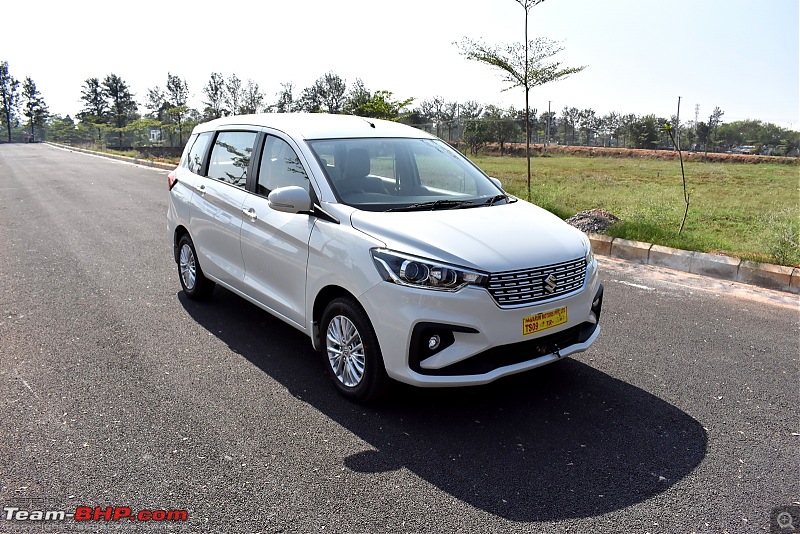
{"x": 197, "y": 152}
{"x": 230, "y": 157}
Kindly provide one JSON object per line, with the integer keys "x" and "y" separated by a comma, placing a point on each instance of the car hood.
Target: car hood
{"x": 498, "y": 238}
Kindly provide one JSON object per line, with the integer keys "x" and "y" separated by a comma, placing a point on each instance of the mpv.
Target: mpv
{"x": 397, "y": 256}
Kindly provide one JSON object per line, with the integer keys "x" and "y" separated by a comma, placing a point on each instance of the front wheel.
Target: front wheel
{"x": 193, "y": 281}
{"x": 353, "y": 358}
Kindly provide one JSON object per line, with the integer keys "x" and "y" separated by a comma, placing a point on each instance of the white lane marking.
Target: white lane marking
{"x": 634, "y": 285}
{"x": 694, "y": 282}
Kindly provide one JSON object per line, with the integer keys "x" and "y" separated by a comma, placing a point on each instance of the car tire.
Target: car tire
{"x": 351, "y": 352}
{"x": 194, "y": 283}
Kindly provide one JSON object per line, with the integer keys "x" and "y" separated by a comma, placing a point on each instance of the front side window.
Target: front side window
{"x": 400, "y": 174}
{"x": 230, "y": 157}
{"x": 280, "y": 167}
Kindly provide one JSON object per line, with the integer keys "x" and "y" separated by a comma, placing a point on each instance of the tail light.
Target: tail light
{"x": 172, "y": 180}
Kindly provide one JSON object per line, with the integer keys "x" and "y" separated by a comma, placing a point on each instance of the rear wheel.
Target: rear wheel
{"x": 352, "y": 356}
{"x": 194, "y": 283}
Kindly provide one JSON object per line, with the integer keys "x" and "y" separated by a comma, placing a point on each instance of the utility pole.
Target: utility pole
{"x": 549, "y": 118}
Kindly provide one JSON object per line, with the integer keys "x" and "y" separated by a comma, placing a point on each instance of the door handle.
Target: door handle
{"x": 250, "y": 212}
{"x": 202, "y": 190}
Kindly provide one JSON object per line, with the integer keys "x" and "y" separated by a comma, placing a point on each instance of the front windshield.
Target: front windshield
{"x": 403, "y": 174}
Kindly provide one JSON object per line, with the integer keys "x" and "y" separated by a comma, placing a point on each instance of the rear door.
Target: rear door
{"x": 275, "y": 244}
{"x": 219, "y": 196}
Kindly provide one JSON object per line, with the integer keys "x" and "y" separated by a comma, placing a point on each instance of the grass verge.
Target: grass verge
{"x": 745, "y": 210}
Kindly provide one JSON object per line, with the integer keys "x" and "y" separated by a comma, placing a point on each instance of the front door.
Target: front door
{"x": 275, "y": 244}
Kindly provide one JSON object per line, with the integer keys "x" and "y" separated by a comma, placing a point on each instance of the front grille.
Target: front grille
{"x": 517, "y": 288}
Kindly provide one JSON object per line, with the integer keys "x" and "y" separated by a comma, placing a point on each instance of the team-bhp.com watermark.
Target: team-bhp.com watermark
{"x": 27, "y": 514}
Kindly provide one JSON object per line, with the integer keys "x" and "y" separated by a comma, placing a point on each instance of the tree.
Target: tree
{"x": 471, "y": 109}
{"x": 64, "y": 130}
{"x": 252, "y": 98}
{"x": 766, "y": 137}
{"x": 688, "y": 135}
{"x": 440, "y": 112}
{"x": 382, "y": 106}
{"x": 646, "y": 131}
{"x": 157, "y": 104}
{"x": 501, "y": 124}
{"x": 626, "y": 127}
{"x": 357, "y": 97}
{"x": 9, "y": 88}
{"x": 95, "y": 107}
{"x": 713, "y": 123}
{"x": 310, "y": 100}
{"x": 431, "y": 110}
{"x": 233, "y": 94}
{"x": 525, "y": 65}
{"x": 215, "y": 95}
{"x": 476, "y": 134}
{"x": 177, "y": 96}
{"x": 587, "y": 120}
{"x": 332, "y": 90}
{"x": 326, "y": 95}
{"x": 449, "y": 114}
{"x": 670, "y": 130}
{"x": 571, "y": 117}
{"x": 285, "y": 103}
{"x": 121, "y": 103}
{"x": 791, "y": 143}
{"x": 612, "y": 125}
{"x": 703, "y": 134}
{"x": 565, "y": 120}
{"x": 34, "y": 107}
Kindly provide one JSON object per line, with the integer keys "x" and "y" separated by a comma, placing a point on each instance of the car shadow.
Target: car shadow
{"x": 562, "y": 441}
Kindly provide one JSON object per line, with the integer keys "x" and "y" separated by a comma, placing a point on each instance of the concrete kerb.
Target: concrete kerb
{"x": 714, "y": 265}
{"x": 631, "y": 250}
{"x": 137, "y": 161}
{"x": 767, "y": 275}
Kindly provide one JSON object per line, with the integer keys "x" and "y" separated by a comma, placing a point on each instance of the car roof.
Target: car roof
{"x": 317, "y": 125}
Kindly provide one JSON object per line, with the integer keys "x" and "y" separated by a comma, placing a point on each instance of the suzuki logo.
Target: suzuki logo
{"x": 550, "y": 283}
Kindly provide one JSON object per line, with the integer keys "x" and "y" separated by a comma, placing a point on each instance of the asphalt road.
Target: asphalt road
{"x": 117, "y": 391}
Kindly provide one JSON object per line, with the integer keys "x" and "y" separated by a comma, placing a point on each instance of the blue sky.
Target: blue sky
{"x": 640, "y": 54}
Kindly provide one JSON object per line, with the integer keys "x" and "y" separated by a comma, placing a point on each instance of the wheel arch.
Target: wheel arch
{"x": 323, "y": 298}
{"x": 180, "y": 231}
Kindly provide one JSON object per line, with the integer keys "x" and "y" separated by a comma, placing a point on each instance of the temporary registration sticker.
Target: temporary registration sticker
{"x": 543, "y": 321}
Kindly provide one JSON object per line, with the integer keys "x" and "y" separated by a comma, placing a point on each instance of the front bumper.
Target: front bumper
{"x": 478, "y": 342}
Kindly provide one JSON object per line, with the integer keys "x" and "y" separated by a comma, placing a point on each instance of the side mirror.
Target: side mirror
{"x": 497, "y": 182}
{"x": 290, "y": 199}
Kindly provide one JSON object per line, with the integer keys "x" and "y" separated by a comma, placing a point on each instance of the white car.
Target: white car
{"x": 397, "y": 256}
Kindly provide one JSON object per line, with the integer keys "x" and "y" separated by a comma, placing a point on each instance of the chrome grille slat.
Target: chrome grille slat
{"x": 527, "y": 286}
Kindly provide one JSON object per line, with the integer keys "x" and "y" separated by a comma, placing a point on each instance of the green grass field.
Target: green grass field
{"x": 749, "y": 211}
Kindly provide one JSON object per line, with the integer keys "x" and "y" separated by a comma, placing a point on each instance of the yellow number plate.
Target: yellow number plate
{"x": 543, "y": 321}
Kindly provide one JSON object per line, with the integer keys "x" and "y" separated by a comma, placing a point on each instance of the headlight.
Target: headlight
{"x": 589, "y": 253}
{"x": 413, "y": 271}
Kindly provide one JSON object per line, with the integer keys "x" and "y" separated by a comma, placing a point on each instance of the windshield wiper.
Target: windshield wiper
{"x": 433, "y": 205}
{"x": 497, "y": 198}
